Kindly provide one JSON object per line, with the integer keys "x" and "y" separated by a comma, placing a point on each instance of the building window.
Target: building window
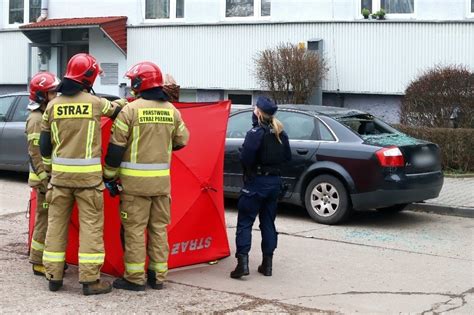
{"x": 240, "y": 99}
{"x": 247, "y": 8}
{"x": 164, "y": 9}
{"x": 35, "y": 10}
{"x": 472, "y": 6}
{"x": 390, "y": 6}
{"x": 16, "y": 12}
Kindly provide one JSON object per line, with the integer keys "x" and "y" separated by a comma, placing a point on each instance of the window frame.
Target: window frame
{"x": 12, "y": 106}
{"x": 227, "y": 92}
{"x": 469, "y": 9}
{"x": 376, "y": 5}
{"x": 172, "y": 17}
{"x": 16, "y": 107}
{"x": 257, "y": 13}
{"x": 6, "y": 15}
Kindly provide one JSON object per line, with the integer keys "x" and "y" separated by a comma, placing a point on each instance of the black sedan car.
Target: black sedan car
{"x": 343, "y": 160}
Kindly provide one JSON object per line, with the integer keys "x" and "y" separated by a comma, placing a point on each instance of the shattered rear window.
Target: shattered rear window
{"x": 376, "y": 132}
{"x": 367, "y": 125}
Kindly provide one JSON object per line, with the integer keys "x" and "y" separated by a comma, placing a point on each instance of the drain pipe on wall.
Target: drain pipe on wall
{"x": 44, "y": 11}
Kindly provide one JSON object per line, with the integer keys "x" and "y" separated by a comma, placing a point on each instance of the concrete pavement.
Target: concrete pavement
{"x": 377, "y": 263}
{"x": 456, "y": 198}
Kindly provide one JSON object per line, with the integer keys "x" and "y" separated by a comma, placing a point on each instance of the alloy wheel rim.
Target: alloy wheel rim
{"x": 325, "y": 199}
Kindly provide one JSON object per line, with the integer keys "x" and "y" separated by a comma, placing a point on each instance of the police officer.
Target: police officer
{"x": 265, "y": 149}
{"x": 70, "y": 144}
{"x": 43, "y": 87}
{"x": 144, "y": 135}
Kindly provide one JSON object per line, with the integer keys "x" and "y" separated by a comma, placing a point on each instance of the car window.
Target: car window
{"x": 324, "y": 132}
{"x": 367, "y": 125}
{"x": 239, "y": 124}
{"x": 5, "y": 103}
{"x": 298, "y": 126}
{"x": 21, "y": 110}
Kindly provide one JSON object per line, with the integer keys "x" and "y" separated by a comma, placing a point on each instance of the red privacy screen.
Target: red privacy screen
{"x": 197, "y": 232}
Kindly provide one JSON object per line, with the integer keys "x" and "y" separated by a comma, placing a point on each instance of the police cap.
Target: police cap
{"x": 266, "y": 105}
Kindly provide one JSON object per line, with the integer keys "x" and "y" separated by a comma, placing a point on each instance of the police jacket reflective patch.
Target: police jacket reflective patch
{"x": 144, "y": 136}
{"x": 72, "y": 126}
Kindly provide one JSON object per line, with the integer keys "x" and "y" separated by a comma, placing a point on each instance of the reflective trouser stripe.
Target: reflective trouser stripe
{"x": 38, "y": 177}
{"x": 135, "y": 267}
{"x": 90, "y": 139}
{"x": 158, "y": 267}
{"x": 77, "y": 168}
{"x": 121, "y": 125}
{"x": 54, "y": 256}
{"x": 134, "y": 151}
{"x": 85, "y": 258}
{"x": 144, "y": 173}
{"x": 55, "y": 132}
{"x": 37, "y": 245}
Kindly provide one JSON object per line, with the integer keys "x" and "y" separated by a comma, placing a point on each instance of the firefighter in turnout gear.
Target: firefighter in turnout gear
{"x": 265, "y": 149}
{"x": 42, "y": 90}
{"x": 70, "y": 144}
{"x": 144, "y": 135}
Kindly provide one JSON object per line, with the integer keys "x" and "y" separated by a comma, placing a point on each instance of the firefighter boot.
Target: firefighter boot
{"x": 124, "y": 284}
{"x": 97, "y": 287}
{"x": 242, "y": 268}
{"x": 38, "y": 270}
{"x": 151, "y": 279}
{"x": 55, "y": 285}
{"x": 266, "y": 267}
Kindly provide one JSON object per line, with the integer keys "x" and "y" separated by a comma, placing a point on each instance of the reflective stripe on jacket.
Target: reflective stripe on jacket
{"x": 148, "y": 131}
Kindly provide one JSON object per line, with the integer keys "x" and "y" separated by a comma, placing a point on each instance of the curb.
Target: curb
{"x": 466, "y": 212}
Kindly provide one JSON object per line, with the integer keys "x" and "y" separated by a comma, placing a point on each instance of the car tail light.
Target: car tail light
{"x": 390, "y": 157}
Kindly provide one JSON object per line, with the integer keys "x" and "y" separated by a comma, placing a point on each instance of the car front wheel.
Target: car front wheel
{"x": 326, "y": 200}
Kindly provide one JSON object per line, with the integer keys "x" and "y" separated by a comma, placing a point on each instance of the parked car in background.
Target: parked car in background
{"x": 13, "y": 146}
{"x": 342, "y": 160}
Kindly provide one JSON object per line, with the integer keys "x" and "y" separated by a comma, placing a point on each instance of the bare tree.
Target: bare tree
{"x": 289, "y": 72}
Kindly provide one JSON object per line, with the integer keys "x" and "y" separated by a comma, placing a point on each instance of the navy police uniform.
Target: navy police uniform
{"x": 262, "y": 156}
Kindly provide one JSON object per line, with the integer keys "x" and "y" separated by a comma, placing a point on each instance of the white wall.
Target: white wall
{"x": 364, "y": 57}
{"x": 13, "y": 57}
{"x": 212, "y": 11}
{"x": 102, "y": 48}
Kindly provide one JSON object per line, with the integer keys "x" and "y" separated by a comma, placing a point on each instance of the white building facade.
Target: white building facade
{"x": 209, "y": 45}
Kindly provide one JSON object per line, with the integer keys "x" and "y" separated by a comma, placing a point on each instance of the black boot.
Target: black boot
{"x": 242, "y": 268}
{"x": 151, "y": 280}
{"x": 266, "y": 267}
{"x": 124, "y": 284}
{"x": 55, "y": 285}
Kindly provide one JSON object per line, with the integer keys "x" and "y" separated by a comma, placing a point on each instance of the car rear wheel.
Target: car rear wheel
{"x": 326, "y": 200}
{"x": 394, "y": 208}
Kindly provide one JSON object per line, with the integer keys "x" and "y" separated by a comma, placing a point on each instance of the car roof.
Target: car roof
{"x": 330, "y": 111}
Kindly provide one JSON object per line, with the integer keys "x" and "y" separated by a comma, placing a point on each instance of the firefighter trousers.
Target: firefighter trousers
{"x": 39, "y": 231}
{"x": 91, "y": 225}
{"x": 140, "y": 213}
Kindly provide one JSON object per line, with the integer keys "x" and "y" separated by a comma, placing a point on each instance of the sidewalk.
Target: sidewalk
{"x": 456, "y": 198}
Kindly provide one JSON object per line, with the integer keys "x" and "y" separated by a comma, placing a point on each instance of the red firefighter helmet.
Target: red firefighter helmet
{"x": 40, "y": 84}
{"x": 83, "y": 68}
{"x": 145, "y": 75}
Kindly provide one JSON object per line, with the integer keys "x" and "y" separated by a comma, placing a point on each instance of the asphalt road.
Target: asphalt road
{"x": 377, "y": 263}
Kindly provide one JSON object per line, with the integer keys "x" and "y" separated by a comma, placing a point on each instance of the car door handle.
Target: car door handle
{"x": 302, "y": 151}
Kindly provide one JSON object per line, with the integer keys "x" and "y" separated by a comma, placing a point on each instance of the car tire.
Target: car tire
{"x": 327, "y": 201}
{"x": 394, "y": 208}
